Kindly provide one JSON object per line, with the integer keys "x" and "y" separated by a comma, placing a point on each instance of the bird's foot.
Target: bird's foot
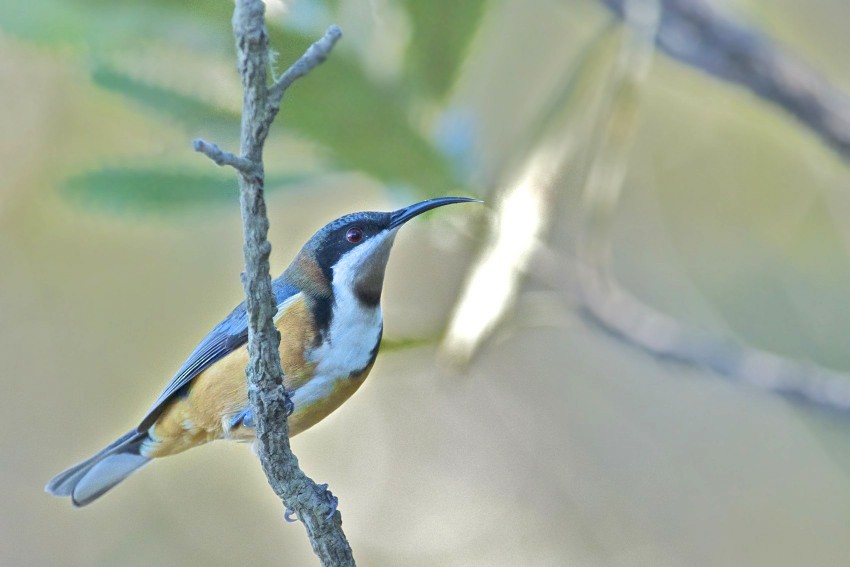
{"x": 244, "y": 418}
{"x": 288, "y": 404}
{"x": 332, "y": 500}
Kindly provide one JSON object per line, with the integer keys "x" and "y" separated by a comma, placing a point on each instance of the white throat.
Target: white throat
{"x": 355, "y": 327}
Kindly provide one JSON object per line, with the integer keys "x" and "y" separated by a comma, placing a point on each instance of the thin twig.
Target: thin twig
{"x": 222, "y": 157}
{"x": 269, "y": 401}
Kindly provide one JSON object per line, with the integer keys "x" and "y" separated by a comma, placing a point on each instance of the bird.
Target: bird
{"x": 330, "y": 322}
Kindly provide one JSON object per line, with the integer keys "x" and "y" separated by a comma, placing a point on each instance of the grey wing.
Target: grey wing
{"x": 226, "y": 337}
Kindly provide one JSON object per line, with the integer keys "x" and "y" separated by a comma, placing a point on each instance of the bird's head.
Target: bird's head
{"x": 352, "y": 252}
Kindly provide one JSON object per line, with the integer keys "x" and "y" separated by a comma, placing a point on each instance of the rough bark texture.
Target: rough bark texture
{"x": 270, "y": 403}
{"x": 695, "y": 32}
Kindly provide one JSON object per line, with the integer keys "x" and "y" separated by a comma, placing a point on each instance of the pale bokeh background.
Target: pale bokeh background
{"x": 560, "y": 444}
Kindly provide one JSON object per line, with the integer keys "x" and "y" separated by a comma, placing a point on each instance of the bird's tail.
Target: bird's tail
{"x": 87, "y": 481}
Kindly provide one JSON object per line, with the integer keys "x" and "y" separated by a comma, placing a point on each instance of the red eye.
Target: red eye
{"x": 354, "y": 235}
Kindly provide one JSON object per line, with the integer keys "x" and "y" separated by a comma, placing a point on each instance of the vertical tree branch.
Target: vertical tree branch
{"x": 268, "y": 400}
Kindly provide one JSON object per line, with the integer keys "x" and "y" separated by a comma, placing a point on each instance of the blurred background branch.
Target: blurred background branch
{"x": 696, "y": 32}
{"x": 693, "y": 31}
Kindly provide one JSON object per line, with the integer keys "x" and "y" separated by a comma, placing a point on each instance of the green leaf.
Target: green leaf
{"x": 441, "y": 36}
{"x": 101, "y": 25}
{"x": 196, "y": 115}
{"x": 154, "y": 190}
{"x": 366, "y": 125}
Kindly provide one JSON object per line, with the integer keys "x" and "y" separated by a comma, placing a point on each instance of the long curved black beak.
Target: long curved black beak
{"x": 401, "y": 216}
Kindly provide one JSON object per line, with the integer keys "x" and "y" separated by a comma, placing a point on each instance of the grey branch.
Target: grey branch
{"x": 695, "y": 32}
{"x": 220, "y": 156}
{"x": 269, "y": 402}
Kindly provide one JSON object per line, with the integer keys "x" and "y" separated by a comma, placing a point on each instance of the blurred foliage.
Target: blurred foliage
{"x": 155, "y": 189}
{"x": 190, "y": 111}
{"x": 102, "y": 26}
{"x": 350, "y": 117}
{"x": 438, "y": 37}
{"x": 359, "y": 120}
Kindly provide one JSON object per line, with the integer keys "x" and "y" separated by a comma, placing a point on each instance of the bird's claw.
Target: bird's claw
{"x": 244, "y": 418}
{"x": 332, "y": 500}
{"x": 288, "y": 404}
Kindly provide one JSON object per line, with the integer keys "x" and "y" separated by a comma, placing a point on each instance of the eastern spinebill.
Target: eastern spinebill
{"x": 330, "y": 323}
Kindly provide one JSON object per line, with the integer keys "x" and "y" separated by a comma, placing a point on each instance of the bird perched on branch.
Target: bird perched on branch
{"x": 330, "y": 323}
